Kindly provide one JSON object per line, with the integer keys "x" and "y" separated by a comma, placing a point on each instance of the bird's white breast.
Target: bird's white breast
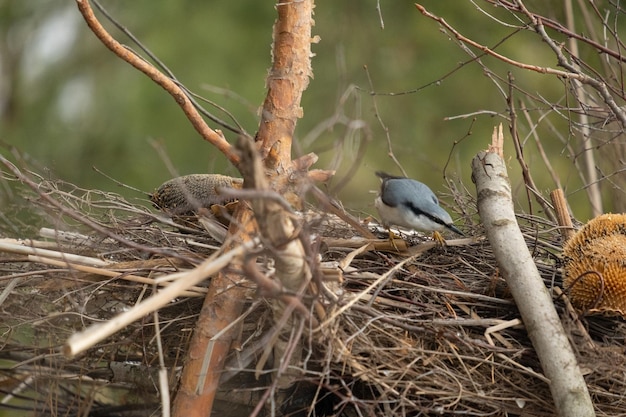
{"x": 403, "y": 217}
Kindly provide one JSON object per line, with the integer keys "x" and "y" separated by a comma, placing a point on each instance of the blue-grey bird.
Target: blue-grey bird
{"x": 411, "y": 204}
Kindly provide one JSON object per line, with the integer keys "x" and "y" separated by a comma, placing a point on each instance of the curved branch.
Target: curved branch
{"x": 488, "y": 51}
{"x": 537, "y": 24}
{"x": 215, "y": 137}
{"x": 552, "y": 24}
{"x": 599, "y": 85}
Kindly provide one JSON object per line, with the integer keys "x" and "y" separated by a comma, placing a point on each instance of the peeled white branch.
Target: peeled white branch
{"x": 542, "y": 323}
{"x": 95, "y": 333}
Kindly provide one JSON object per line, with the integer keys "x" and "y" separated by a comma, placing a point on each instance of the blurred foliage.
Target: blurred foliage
{"x": 69, "y": 103}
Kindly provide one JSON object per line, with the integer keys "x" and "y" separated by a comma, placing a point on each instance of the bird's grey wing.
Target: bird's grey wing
{"x": 399, "y": 191}
{"x": 394, "y": 191}
{"x": 424, "y": 202}
{"x": 418, "y": 198}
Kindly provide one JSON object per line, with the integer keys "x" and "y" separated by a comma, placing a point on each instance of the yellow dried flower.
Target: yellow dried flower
{"x": 595, "y": 265}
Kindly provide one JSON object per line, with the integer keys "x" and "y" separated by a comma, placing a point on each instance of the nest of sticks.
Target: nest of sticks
{"x": 429, "y": 331}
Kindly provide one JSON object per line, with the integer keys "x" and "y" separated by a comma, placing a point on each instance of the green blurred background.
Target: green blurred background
{"x": 70, "y": 104}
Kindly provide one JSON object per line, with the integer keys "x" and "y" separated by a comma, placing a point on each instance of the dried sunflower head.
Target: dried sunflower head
{"x": 595, "y": 265}
{"x": 185, "y": 195}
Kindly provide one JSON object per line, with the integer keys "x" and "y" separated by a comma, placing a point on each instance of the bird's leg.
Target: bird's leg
{"x": 392, "y": 236}
{"x": 438, "y": 237}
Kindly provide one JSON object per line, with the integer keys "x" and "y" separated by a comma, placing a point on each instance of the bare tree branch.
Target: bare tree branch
{"x": 215, "y": 137}
{"x": 540, "y": 318}
{"x": 287, "y": 79}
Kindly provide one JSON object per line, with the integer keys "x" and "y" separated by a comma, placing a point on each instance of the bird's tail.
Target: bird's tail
{"x": 384, "y": 176}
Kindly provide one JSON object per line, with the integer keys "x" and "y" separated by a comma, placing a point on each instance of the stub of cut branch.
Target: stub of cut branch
{"x": 495, "y": 207}
{"x": 562, "y": 213}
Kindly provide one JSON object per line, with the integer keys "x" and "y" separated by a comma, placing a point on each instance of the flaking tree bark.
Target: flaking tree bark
{"x": 274, "y": 171}
{"x": 287, "y": 79}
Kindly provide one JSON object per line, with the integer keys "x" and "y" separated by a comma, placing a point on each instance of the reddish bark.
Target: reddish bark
{"x": 287, "y": 79}
{"x": 222, "y": 305}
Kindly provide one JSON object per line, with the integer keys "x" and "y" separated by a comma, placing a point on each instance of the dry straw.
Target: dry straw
{"x": 435, "y": 332}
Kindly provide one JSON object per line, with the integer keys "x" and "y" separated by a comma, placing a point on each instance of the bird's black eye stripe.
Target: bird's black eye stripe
{"x": 419, "y": 212}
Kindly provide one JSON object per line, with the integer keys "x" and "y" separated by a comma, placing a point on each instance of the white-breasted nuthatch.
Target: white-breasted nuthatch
{"x": 411, "y": 204}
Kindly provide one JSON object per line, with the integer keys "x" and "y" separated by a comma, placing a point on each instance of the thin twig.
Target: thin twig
{"x": 530, "y": 186}
{"x": 215, "y": 137}
{"x": 390, "y": 152}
